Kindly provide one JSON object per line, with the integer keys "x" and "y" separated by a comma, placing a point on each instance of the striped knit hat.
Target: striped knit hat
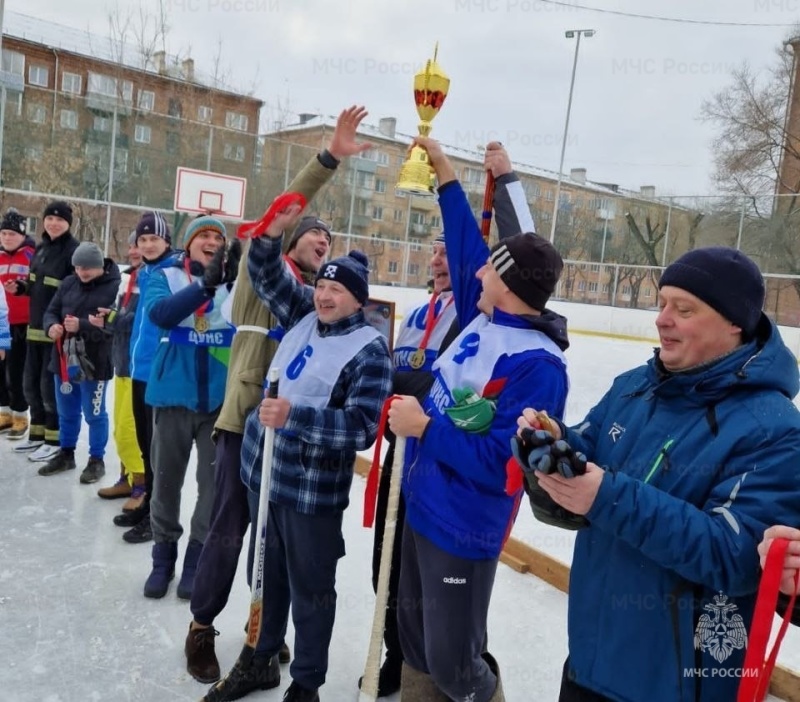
{"x": 153, "y": 223}
{"x": 199, "y": 224}
{"x": 530, "y": 266}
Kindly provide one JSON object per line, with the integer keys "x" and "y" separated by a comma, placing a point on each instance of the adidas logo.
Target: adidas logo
{"x": 454, "y": 581}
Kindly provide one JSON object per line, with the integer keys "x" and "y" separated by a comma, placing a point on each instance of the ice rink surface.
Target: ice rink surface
{"x": 75, "y": 627}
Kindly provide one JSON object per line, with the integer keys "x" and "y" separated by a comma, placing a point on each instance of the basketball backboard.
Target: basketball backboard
{"x": 214, "y": 193}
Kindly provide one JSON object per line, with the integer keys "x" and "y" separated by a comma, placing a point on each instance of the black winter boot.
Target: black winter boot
{"x": 132, "y": 518}
{"x": 164, "y": 557}
{"x": 298, "y": 693}
{"x": 249, "y": 673}
{"x": 141, "y": 533}
{"x": 95, "y": 469}
{"x": 64, "y": 460}
{"x": 190, "y": 559}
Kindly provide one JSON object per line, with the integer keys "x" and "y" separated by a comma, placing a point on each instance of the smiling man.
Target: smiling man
{"x": 335, "y": 374}
{"x": 186, "y": 388}
{"x": 691, "y": 457}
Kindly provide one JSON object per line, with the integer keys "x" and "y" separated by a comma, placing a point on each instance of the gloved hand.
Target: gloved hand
{"x": 537, "y": 449}
{"x": 232, "y": 259}
{"x": 214, "y": 274}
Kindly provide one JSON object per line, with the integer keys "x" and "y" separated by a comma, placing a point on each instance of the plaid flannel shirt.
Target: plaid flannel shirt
{"x": 315, "y": 451}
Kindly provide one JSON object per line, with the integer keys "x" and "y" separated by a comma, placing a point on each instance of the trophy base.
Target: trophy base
{"x": 416, "y": 174}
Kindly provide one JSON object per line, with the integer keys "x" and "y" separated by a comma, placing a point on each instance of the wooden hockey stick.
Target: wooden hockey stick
{"x": 369, "y": 685}
{"x": 257, "y": 587}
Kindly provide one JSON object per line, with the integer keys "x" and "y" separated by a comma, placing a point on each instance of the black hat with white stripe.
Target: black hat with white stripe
{"x": 530, "y": 266}
{"x": 153, "y": 223}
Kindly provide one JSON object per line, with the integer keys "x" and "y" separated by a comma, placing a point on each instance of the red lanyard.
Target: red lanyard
{"x": 62, "y": 359}
{"x": 373, "y": 478}
{"x": 200, "y": 311}
{"x": 294, "y": 268}
{"x": 129, "y": 290}
{"x": 431, "y": 321}
{"x": 757, "y": 670}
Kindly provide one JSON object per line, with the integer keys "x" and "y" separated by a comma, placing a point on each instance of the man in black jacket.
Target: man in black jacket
{"x": 52, "y": 262}
{"x": 73, "y": 320}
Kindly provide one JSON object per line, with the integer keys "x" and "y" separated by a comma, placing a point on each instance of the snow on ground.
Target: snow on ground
{"x": 76, "y": 628}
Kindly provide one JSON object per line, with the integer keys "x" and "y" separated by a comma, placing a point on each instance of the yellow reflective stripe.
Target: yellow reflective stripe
{"x": 32, "y": 277}
{"x": 51, "y": 435}
{"x": 55, "y": 282}
{"x": 38, "y": 335}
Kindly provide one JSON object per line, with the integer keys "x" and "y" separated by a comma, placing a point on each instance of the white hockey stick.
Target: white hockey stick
{"x": 369, "y": 685}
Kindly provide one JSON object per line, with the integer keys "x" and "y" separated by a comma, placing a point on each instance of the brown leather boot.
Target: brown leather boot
{"x": 495, "y": 668}
{"x": 119, "y": 489}
{"x": 416, "y": 686}
{"x": 201, "y": 659}
{"x": 137, "y": 493}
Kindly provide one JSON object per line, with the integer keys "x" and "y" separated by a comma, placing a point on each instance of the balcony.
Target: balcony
{"x": 361, "y": 221}
{"x": 420, "y": 230}
{"x": 363, "y": 164}
{"x": 424, "y": 204}
{"x": 12, "y": 81}
{"x": 100, "y": 102}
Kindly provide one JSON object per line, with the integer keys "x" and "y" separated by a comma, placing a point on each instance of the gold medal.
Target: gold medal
{"x": 200, "y": 325}
{"x": 417, "y": 359}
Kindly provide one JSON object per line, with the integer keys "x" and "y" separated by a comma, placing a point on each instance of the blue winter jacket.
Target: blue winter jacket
{"x": 186, "y": 373}
{"x": 697, "y": 465}
{"x": 146, "y": 335}
{"x": 455, "y": 482}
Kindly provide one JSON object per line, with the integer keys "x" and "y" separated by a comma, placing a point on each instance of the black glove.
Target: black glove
{"x": 232, "y": 261}
{"x": 214, "y": 274}
{"x": 537, "y": 450}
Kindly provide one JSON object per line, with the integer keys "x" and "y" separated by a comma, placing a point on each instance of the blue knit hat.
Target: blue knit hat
{"x": 352, "y": 271}
{"x": 725, "y": 279}
{"x": 201, "y": 224}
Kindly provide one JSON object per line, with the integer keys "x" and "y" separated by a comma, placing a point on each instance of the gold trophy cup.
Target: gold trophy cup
{"x": 430, "y": 90}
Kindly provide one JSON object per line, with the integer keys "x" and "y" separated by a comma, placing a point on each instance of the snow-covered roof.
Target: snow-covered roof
{"x": 373, "y": 132}
{"x": 104, "y": 48}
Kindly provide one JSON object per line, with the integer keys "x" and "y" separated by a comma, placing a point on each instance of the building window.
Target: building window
{"x": 14, "y": 62}
{"x": 142, "y": 134}
{"x": 100, "y": 84}
{"x": 27, "y": 185}
{"x": 38, "y": 75}
{"x": 377, "y": 212}
{"x": 436, "y": 221}
{"x": 147, "y": 100}
{"x": 581, "y": 286}
{"x": 413, "y": 269}
{"x": 648, "y": 293}
{"x": 34, "y": 152}
{"x": 69, "y": 119}
{"x": 101, "y": 124}
{"x": 394, "y": 244}
{"x": 37, "y": 113}
{"x": 415, "y": 246}
{"x": 626, "y": 290}
{"x": 141, "y": 167}
{"x": 120, "y": 161}
{"x": 473, "y": 176}
{"x": 233, "y": 152}
{"x": 203, "y": 113}
{"x": 175, "y": 108}
{"x": 605, "y": 287}
{"x": 398, "y": 215}
{"x": 236, "y": 120}
{"x": 380, "y": 185}
{"x": 71, "y": 83}
{"x": 592, "y": 287}
{"x": 173, "y": 142}
{"x": 383, "y": 158}
{"x": 392, "y": 267}
{"x": 417, "y": 218}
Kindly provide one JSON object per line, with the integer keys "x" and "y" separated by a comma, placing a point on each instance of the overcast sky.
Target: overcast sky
{"x": 638, "y": 90}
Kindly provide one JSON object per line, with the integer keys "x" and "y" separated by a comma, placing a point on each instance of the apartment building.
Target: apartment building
{"x": 74, "y": 102}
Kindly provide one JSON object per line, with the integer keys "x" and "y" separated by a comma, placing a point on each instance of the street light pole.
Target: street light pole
{"x": 569, "y": 34}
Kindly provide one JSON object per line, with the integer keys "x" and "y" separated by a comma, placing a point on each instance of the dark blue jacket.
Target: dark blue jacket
{"x": 80, "y": 300}
{"x": 697, "y": 465}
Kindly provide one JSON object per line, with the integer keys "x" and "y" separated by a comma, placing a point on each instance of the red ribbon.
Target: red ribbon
{"x": 431, "y": 320}
{"x": 62, "y": 359}
{"x": 757, "y": 670}
{"x": 373, "y": 478}
{"x": 488, "y": 198}
{"x": 281, "y": 203}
